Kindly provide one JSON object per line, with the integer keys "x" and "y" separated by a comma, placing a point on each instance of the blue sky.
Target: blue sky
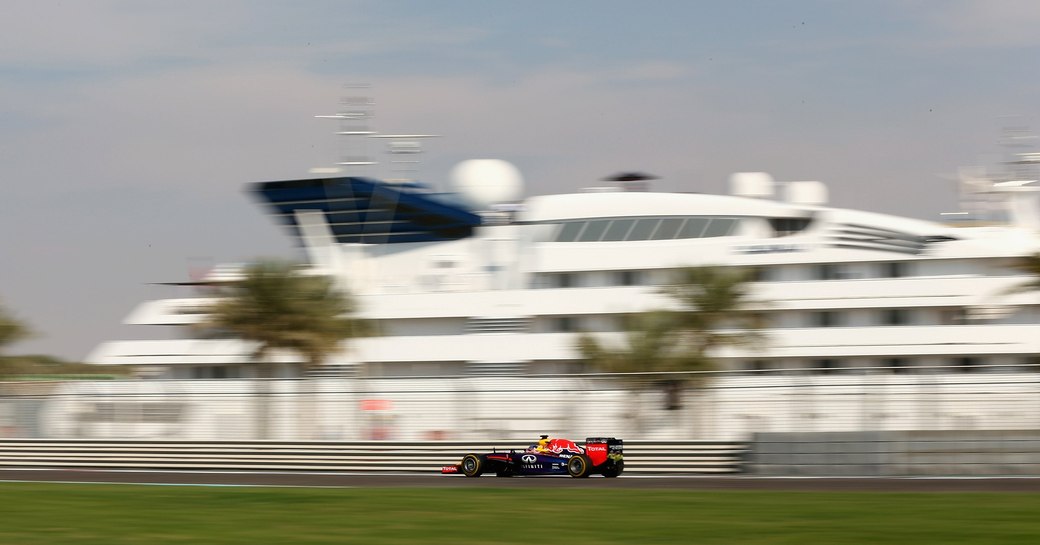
{"x": 129, "y": 129}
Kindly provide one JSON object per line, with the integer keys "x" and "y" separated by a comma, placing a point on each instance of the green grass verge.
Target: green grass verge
{"x": 32, "y": 513}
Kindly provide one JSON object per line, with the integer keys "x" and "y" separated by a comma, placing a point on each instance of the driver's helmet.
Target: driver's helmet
{"x": 543, "y": 443}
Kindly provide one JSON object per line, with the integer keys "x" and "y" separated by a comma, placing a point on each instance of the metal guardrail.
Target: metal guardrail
{"x": 642, "y": 457}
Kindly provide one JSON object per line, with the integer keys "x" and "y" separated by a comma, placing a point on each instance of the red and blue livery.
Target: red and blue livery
{"x": 600, "y": 455}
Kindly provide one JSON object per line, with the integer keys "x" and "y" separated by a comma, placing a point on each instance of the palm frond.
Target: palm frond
{"x": 277, "y": 308}
{"x": 1030, "y": 265}
{"x": 11, "y": 329}
{"x": 713, "y": 308}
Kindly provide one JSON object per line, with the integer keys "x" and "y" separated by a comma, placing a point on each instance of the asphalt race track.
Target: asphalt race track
{"x": 369, "y": 480}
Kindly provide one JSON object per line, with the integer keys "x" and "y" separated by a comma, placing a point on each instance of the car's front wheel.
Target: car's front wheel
{"x": 472, "y": 465}
{"x": 579, "y": 466}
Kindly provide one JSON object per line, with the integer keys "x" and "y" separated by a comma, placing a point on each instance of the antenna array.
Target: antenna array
{"x": 354, "y": 116}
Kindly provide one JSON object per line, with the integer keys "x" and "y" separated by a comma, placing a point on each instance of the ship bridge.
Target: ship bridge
{"x": 366, "y": 211}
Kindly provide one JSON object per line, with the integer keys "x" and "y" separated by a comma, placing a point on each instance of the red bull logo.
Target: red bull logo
{"x": 559, "y": 446}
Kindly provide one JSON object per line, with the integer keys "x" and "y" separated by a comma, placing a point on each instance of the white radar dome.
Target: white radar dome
{"x": 487, "y": 182}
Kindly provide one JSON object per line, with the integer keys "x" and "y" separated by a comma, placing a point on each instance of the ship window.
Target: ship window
{"x": 495, "y": 368}
{"x": 497, "y": 325}
{"x": 570, "y": 231}
{"x": 693, "y": 228}
{"x": 826, "y": 366}
{"x": 643, "y": 229}
{"x": 628, "y": 278}
{"x": 952, "y": 316}
{"x": 719, "y": 227}
{"x": 895, "y": 316}
{"x": 788, "y": 226}
{"x": 826, "y": 318}
{"x": 618, "y": 230}
{"x": 209, "y": 372}
{"x": 896, "y": 365}
{"x": 755, "y": 367}
{"x": 594, "y": 231}
{"x": 668, "y": 229}
{"x": 829, "y": 271}
{"x": 637, "y": 229}
{"x": 966, "y": 364}
{"x": 567, "y": 324}
{"x": 895, "y": 269}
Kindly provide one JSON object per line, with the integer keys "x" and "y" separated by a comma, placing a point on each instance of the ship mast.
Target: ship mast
{"x": 354, "y": 116}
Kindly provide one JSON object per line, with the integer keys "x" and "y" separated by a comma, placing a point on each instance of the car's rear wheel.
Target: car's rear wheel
{"x": 579, "y": 466}
{"x": 615, "y": 470}
{"x": 472, "y": 465}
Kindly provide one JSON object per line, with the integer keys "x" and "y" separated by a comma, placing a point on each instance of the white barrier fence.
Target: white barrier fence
{"x": 641, "y": 457}
{"x": 725, "y": 407}
{"x": 896, "y": 453}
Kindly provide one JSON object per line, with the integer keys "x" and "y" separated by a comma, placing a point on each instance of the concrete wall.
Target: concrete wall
{"x": 896, "y": 453}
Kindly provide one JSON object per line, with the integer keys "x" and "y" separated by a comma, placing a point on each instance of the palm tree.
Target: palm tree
{"x": 11, "y": 330}
{"x": 712, "y": 311}
{"x": 1030, "y": 265}
{"x": 646, "y": 359}
{"x": 276, "y": 307}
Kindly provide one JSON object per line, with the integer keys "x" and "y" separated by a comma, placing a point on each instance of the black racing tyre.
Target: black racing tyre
{"x": 615, "y": 470}
{"x": 472, "y": 465}
{"x": 579, "y": 466}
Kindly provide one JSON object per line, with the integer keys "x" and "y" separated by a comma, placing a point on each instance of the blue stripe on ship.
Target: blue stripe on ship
{"x": 362, "y": 210}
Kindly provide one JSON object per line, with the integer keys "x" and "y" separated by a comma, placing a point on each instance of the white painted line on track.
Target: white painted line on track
{"x": 212, "y": 485}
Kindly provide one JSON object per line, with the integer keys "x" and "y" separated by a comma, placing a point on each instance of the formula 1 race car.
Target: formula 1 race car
{"x": 603, "y": 455}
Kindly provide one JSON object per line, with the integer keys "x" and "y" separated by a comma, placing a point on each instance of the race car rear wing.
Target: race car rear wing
{"x": 598, "y": 449}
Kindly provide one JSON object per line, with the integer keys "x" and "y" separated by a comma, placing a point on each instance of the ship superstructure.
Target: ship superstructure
{"x": 483, "y": 282}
